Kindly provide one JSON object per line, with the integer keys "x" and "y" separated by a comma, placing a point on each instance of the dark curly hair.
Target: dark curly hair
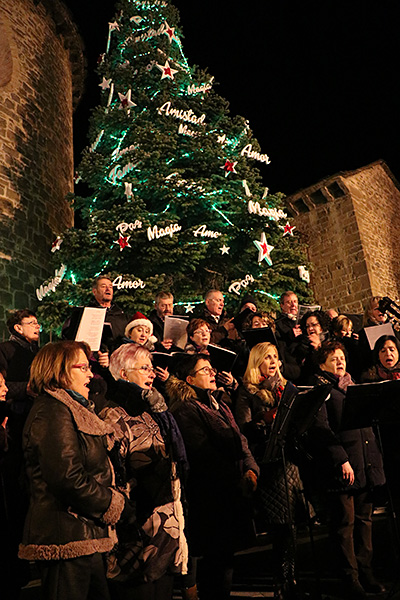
{"x": 321, "y": 316}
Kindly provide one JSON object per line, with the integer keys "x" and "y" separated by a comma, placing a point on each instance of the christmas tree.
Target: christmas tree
{"x": 176, "y": 199}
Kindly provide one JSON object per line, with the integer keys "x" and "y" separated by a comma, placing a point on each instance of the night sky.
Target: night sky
{"x": 318, "y": 80}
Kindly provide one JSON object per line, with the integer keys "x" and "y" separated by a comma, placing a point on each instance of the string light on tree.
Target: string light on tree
{"x": 153, "y": 176}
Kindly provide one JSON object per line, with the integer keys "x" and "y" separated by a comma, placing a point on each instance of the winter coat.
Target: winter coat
{"x": 332, "y": 446}
{"x": 16, "y": 356}
{"x": 218, "y": 454}
{"x": 272, "y": 499}
{"x": 72, "y": 501}
{"x": 153, "y": 458}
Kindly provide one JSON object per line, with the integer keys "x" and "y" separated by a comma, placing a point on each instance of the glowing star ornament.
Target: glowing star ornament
{"x": 167, "y": 71}
{"x": 105, "y": 84}
{"x": 288, "y": 229}
{"x": 229, "y": 167}
{"x": 225, "y": 249}
{"x": 126, "y": 102}
{"x": 56, "y": 244}
{"x": 170, "y": 32}
{"x": 189, "y": 307}
{"x": 264, "y": 249}
{"x": 112, "y": 26}
{"x": 123, "y": 242}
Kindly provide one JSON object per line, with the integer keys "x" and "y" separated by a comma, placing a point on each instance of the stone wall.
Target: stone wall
{"x": 350, "y": 222}
{"x": 41, "y": 73}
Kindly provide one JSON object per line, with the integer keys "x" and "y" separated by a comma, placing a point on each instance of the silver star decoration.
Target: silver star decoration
{"x": 105, "y": 84}
{"x": 225, "y": 249}
{"x": 189, "y": 307}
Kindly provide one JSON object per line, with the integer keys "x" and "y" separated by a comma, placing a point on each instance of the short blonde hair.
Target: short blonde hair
{"x": 51, "y": 367}
{"x": 257, "y": 354}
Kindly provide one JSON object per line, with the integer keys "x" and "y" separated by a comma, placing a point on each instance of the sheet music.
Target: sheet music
{"x": 175, "y": 330}
{"x": 91, "y": 326}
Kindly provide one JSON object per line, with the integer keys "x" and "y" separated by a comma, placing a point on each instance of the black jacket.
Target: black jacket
{"x": 70, "y": 477}
{"x": 218, "y": 457}
{"x": 333, "y": 446}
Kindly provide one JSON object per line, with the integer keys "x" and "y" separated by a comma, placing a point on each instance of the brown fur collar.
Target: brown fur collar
{"x": 178, "y": 391}
{"x": 86, "y": 421}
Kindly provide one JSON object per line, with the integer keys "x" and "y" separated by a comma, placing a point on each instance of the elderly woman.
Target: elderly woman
{"x": 73, "y": 501}
{"x": 154, "y": 461}
{"x": 222, "y": 471}
{"x": 257, "y": 403}
{"x": 349, "y": 467}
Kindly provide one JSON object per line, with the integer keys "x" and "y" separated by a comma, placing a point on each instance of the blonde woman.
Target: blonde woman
{"x": 257, "y": 403}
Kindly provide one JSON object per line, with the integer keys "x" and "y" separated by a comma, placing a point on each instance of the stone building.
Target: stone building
{"x": 41, "y": 79}
{"x": 351, "y": 223}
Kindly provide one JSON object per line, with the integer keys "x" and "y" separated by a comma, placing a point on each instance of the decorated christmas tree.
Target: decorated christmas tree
{"x": 176, "y": 199}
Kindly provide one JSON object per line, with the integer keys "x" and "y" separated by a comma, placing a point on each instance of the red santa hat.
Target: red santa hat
{"x": 140, "y": 319}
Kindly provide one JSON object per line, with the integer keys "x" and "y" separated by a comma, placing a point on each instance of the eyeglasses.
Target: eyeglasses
{"x": 31, "y": 323}
{"x": 145, "y": 369}
{"x": 83, "y": 367}
{"x": 206, "y": 371}
{"x": 202, "y": 331}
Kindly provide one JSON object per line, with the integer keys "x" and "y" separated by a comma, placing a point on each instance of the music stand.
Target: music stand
{"x": 295, "y": 414}
{"x": 375, "y": 404}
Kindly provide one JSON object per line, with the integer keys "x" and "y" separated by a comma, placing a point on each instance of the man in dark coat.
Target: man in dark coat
{"x": 287, "y": 328}
{"x": 163, "y": 306}
{"x": 103, "y": 294}
{"x": 213, "y": 313}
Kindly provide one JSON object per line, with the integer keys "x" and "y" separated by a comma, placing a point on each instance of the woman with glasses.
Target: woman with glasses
{"x": 199, "y": 334}
{"x": 222, "y": 473}
{"x": 257, "y": 403}
{"x": 73, "y": 502}
{"x": 153, "y": 458}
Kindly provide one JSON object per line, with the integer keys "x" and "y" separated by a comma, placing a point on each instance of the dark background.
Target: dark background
{"x": 318, "y": 80}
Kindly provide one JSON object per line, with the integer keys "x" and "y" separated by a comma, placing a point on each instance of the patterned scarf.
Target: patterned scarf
{"x": 389, "y": 374}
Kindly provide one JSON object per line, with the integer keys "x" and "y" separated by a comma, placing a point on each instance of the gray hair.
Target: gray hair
{"x": 125, "y": 357}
